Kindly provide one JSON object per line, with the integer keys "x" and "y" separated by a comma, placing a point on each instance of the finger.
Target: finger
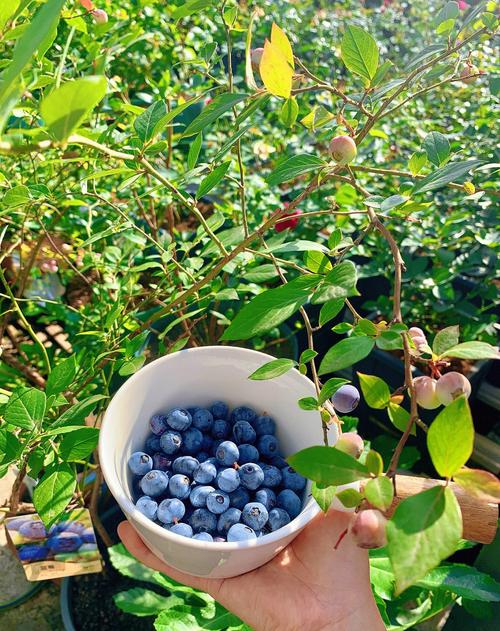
{"x": 140, "y": 551}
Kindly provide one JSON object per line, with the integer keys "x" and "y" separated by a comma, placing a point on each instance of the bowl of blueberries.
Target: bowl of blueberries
{"x": 194, "y": 452}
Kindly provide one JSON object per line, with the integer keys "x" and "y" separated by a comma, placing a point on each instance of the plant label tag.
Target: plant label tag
{"x": 67, "y": 548}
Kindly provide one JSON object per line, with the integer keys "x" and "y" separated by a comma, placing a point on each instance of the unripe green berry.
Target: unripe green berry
{"x": 343, "y": 149}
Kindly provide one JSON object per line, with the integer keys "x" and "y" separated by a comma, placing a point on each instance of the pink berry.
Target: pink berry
{"x": 256, "y": 56}
{"x": 100, "y": 16}
{"x": 289, "y": 221}
{"x": 418, "y": 338}
{"x": 451, "y": 386}
{"x": 351, "y": 444}
{"x": 368, "y": 529}
{"x": 425, "y": 389}
{"x": 463, "y": 6}
{"x": 343, "y": 149}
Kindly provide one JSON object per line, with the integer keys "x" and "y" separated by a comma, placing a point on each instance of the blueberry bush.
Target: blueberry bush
{"x": 189, "y": 173}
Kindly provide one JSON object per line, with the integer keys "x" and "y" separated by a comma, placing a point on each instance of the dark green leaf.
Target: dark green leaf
{"x": 129, "y": 566}
{"x": 346, "y": 353}
{"x": 328, "y": 466}
{"x": 463, "y": 580}
{"x": 221, "y": 104}
{"x": 293, "y": 167}
{"x": 424, "y": 530}
{"x": 273, "y": 369}
{"x": 79, "y": 444}
{"x": 233, "y": 140}
{"x": 209, "y": 182}
{"x": 445, "y": 339}
{"x": 450, "y": 438}
{"x": 330, "y": 388}
{"x": 323, "y": 495}
{"x": 445, "y": 175}
{"x": 307, "y": 355}
{"x": 62, "y": 376}
{"x": 54, "y": 492}
{"x": 79, "y": 411}
{"x": 194, "y": 151}
{"x": 270, "y": 308}
{"x": 330, "y": 309}
{"x": 145, "y": 124}
{"x": 26, "y": 408}
{"x": 436, "y": 147}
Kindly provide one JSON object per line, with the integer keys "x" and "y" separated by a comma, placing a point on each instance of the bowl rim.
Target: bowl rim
{"x": 309, "y": 511}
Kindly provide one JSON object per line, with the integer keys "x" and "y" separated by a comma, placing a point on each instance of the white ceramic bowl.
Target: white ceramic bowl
{"x": 200, "y": 376}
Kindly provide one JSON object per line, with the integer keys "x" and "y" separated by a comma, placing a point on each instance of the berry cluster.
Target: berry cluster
{"x": 213, "y": 475}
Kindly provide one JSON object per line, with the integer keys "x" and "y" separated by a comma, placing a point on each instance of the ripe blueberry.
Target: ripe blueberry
{"x": 255, "y": 515}
{"x": 217, "y": 502}
{"x": 251, "y": 475}
{"x": 146, "y": 506}
{"x": 240, "y": 532}
{"x": 179, "y": 486}
{"x": 227, "y": 453}
{"x": 140, "y": 463}
{"x": 179, "y": 419}
{"x": 346, "y": 399}
{"x": 154, "y": 483}
{"x": 171, "y": 442}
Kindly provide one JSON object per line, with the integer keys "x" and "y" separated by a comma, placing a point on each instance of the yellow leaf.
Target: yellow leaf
{"x": 279, "y": 39}
{"x": 275, "y": 71}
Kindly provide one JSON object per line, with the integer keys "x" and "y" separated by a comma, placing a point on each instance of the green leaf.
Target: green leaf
{"x": 450, "y": 438}
{"x": 62, "y": 376}
{"x": 330, "y": 388}
{"x": 445, "y": 339}
{"x": 463, "y": 580}
{"x": 79, "y": 444}
{"x": 308, "y": 403}
{"x": 44, "y": 22}
{"x": 260, "y": 274}
{"x": 270, "y": 308}
{"x": 450, "y": 11}
{"x": 342, "y": 280}
{"x": 7, "y": 10}
{"x": 129, "y": 566}
{"x": 399, "y": 417}
{"x": 144, "y": 602}
{"x": 392, "y": 202}
{"x": 79, "y": 411}
{"x": 328, "y": 466}
{"x": 346, "y": 353}
{"x": 436, "y": 147}
{"x": 424, "y": 530}
{"x": 194, "y": 151}
{"x": 289, "y": 112}
{"x": 445, "y": 175}
{"x": 170, "y": 116}
{"x": 145, "y": 123}
{"x": 190, "y": 7}
{"x": 350, "y": 498}
{"x": 381, "y": 575}
{"x": 359, "y": 52}
{"x": 472, "y": 350}
{"x": 382, "y": 70}
{"x": 67, "y": 106}
{"x": 323, "y": 495}
{"x": 330, "y": 309}
{"x": 17, "y": 196}
{"x": 417, "y": 162}
{"x": 307, "y": 355}
{"x": 317, "y": 117}
{"x": 221, "y": 104}
{"x": 478, "y": 482}
{"x": 26, "y": 408}
{"x": 375, "y": 391}
{"x": 273, "y": 369}
{"x": 212, "y": 179}
{"x": 293, "y": 167}
{"x": 317, "y": 262}
{"x": 374, "y": 462}
{"x": 54, "y": 492}
{"x": 380, "y": 492}
{"x": 233, "y": 140}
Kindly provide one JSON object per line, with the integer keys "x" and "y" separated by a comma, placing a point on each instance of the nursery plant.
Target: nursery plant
{"x": 206, "y": 172}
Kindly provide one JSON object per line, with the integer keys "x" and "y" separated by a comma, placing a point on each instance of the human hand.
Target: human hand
{"x": 309, "y": 586}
